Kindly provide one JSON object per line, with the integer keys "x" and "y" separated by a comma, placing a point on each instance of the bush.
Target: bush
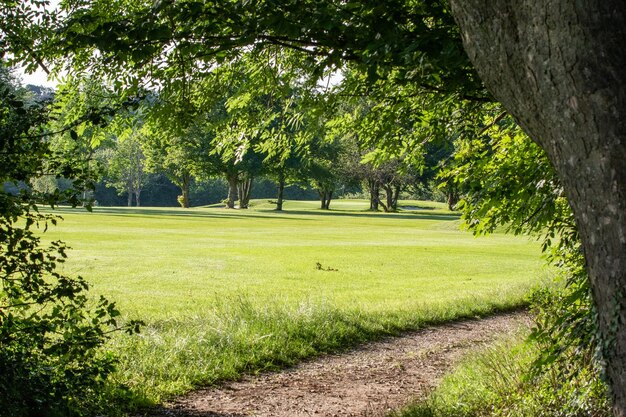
{"x": 52, "y": 361}
{"x": 51, "y": 335}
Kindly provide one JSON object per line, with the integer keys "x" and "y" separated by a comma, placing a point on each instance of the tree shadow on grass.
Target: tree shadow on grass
{"x": 172, "y": 213}
{"x": 220, "y": 213}
{"x": 414, "y": 215}
{"x": 412, "y": 207}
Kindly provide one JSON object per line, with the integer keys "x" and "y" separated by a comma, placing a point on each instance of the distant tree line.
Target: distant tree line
{"x": 255, "y": 130}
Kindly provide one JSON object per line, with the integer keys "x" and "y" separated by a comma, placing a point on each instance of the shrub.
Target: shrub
{"x": 52, "y": 361}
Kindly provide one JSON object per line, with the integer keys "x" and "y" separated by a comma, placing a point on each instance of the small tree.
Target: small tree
{"x": 126, "y": 169}
{"x": 173, "y": 156}
{"x": 324, "y": 170}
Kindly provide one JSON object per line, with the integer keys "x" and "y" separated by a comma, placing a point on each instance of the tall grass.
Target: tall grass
{"x": 230, "y": 292}
{"x": 499, "y": 381}
{"x": 240, "y": 336}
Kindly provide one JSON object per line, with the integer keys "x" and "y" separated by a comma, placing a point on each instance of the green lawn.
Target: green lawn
{"x": 224, "y": 292}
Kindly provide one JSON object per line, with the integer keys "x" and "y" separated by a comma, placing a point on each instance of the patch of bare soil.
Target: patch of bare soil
{"x": 370, "y": 381}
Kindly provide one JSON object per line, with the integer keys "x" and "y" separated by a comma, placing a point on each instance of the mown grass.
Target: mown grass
{"x": 226, "y": 292}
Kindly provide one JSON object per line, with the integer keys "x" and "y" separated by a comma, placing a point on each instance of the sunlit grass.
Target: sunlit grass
{"x": 499, "y": 380}
{"x": 225, "y": 292}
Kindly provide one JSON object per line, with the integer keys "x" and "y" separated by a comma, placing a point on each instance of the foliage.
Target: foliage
{"x": 509, "y": 183}
{"x": 403, "y": 133}
{"x": 566, "y": 329}
{"x": 174, "y": 153}
{"x": 257, "y": 56}
{"x": 25, "y": 27}
{"x": 51, "y": 333}
{"x": 418, "y": 37}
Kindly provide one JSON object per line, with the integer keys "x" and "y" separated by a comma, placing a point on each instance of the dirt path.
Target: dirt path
{"x": 368, "y": 381}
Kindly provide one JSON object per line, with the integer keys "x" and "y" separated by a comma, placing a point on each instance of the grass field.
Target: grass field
{"x": 226, "y": 292}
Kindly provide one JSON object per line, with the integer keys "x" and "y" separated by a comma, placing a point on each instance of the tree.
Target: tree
{"x": 174, "y": 150}
{"x": 286, "y": 162}
{"x": 285, "y": 170}
{"x": 402, "y": 134}
{"x": 126, "y": 171}
{"x": 327, "y": 169}
{"x": 126, "y": 162}
{"x": 172, "y": 157}
{"x": 73, "y": 100}
{"x": 565, "y": 85}
{"x": 390, "y": 179}
{"x": 254, "y": 120}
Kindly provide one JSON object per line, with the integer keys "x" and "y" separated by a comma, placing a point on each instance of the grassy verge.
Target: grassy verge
{"x": 227, "y": 292}
{"x": 498, "y": 382}
{"x": 173, "y": 356}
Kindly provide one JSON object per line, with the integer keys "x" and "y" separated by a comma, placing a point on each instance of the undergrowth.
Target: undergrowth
{"x": 553, "y": 371}
{"x": 496, "y": 382}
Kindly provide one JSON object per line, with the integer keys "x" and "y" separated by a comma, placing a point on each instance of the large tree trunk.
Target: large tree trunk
{"x": 388, "y": 205}
{"x": 452, "y": 196}
{"x": 138, "y": 197}
{"x": 559, "y": 68}
{"x": 391, "y": 198}
{"x": 329, "y": 197}
{"x": 325, "y": 198}
{"x": 245, "y": 188}
{"x": 183, "y": 199}
{"x": 396, "y": 197}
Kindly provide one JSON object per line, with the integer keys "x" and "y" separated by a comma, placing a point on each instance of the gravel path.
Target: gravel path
{"x": 369, "y": 381}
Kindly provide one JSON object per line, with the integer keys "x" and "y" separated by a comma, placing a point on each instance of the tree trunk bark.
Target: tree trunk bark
{"x": 240, "y": 192}
{"x": 452, "y": 196}
{"x": 281, "y": 189}
{"x": 558, "y": 67}
{"x": 388, "y": 205}
{"x": 373, "y": 187}
{"x": 389, "y": 196}
{"x": 137, "y": 197}
{"x": 325, "y": 197}
{"x": 184, "y": 198}
{"x": 130, "y": 198}
{"x": 245, "y": 188}
{"x": 329, "y": 197}
{"x": 396, "y": 196}
{"x": 232, "y": 190}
